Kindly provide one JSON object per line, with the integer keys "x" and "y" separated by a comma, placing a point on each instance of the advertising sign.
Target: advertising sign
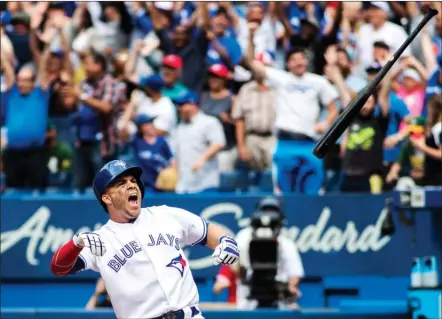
{"x": 336, "y": 235}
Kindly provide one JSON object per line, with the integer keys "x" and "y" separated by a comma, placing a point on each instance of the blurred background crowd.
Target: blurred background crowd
{"x": 218, "y": 96}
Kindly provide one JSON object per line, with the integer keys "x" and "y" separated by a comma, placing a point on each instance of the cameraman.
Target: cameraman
{"x": 289, "y": 267}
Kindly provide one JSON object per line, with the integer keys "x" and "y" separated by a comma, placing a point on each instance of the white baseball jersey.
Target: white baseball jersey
{"x": 289, "y": 264}
{"x": 298, "y": 99}
{"x": 144, "y": 269}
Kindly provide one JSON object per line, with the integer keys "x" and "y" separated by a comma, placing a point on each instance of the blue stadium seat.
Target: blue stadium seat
{"x": 266, "y": 183}
{"x": 18, "y": 191}
{"x": 56, "y": 190}
{"x": 60, "y": 179}
{"x": 235, "y": 181}
{"x": 89, "y": 190}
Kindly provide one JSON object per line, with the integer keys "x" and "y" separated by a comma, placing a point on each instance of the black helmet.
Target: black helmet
{"x": 268, "y": 213}
{"x": 269, "y": 202}
{"x": 270, "y": 219}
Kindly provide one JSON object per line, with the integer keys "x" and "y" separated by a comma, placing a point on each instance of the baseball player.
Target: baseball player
{"x": 139, "y": 251}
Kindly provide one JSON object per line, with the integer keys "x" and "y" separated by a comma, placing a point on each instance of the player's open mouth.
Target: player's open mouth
{"x": 133, "y": 198}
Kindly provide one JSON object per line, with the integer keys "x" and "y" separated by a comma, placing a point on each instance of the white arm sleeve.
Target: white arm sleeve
{"x": 88, "y": 259}
{"x": 194, "y": 227}
{"x": 291, "y": 260}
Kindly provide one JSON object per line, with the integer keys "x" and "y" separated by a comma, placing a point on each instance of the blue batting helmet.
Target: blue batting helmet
{"x": 110, "y": 172}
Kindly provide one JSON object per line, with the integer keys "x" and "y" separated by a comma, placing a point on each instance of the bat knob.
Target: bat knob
{"x": 432, "y": 12}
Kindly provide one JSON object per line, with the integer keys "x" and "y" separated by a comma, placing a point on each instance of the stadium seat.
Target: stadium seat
{"x": 235, "y": 181}
{"x": 372, "y": 305}
{"x": 266, "y": 182}
{"x": 21, "y": 192}
{"x": 60, "y": 179}
{"x": 89, "y": 190}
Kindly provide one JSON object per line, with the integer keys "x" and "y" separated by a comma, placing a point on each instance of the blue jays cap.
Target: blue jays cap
{"x": 109, "y": 174}
{"x": 188, "y": 97}
{"x": 154, "y": 82}
{"x": 143, "y": 118}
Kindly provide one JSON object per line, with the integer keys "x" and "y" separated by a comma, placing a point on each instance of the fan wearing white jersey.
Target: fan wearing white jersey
{"x": 139, "y": 251}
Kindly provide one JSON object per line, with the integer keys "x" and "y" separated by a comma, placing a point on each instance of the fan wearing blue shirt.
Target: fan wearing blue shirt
{"x": 152, "y": 152}
{"x": 223, "y": 48}
{"x": 25, "y": 110}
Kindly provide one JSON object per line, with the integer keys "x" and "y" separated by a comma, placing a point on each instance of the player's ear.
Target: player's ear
{"x": 106, "y": 198}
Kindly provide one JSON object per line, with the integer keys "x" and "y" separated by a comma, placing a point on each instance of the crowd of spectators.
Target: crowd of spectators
{"x": 200, "y": 92}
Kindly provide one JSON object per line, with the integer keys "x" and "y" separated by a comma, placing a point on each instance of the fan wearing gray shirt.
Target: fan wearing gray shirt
{"x": 196, "y": 142}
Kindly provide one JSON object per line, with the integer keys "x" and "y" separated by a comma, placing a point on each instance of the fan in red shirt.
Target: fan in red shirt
{"x": 226, "y": 278}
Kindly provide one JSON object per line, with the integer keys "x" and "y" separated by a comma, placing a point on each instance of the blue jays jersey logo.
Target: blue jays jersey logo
{"x": 178, "y": 263}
